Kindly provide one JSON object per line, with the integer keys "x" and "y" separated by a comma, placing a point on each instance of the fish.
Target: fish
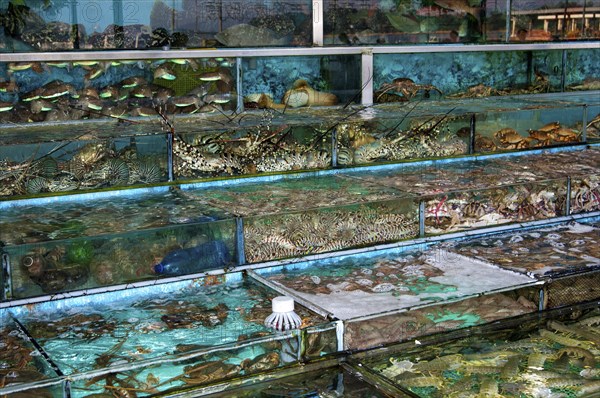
{"x": 164, "y": 72}
{"x": 8, "y": 87}
{"x": 186, "y": 62}
{"x": 163, "y": 94}
{"x": 144, "y": 91}
{"x": 460, "y": 5}
{"x": 186, "y": 100}
{"x": 21, "y": 66}
{"x": 32, "y": 95}
{"x": 89, "y": 102}
{"x": 109, "y": 92}
{"x": 200, "y": 90}
{"x": 40, "y": 105}
{"x": 217, "y": 98}
{"x": 59, "y": 64}
{"x": 90, "y": 92}
{"x": 134, "y": 81}
{"x": 210, "y": 76}
{"x": 93, "y": 73}
{"x": 86, "y": 63}
{"x": 6, "y": 106}
{"x": 143, "y": 111}
{"x": 56, "y": 89}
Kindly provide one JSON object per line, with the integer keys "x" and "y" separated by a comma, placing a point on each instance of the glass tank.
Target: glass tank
{"x": 529, "y": 356}
{"x": 413, "y": 22}
{"x": 592, "y": 127}
{"x": 300, "y": 216}
{"x": 585, "y": 194}
{"x": 495, "y": 206}
{"x": 161, "y": 338}
{"x": 378, "y": 293}
{"x": 338, "y": 381}
{"x": 37, "y": 25}
{"x": 553, "y": 20}
{"x": 24, "y": 371}
{"x": 582, "y": 69}
{"x": 423, "y": 76}
{"x": 427, "y": 179}
{"x": 265, "y": 148}
{"x": 73, "y": 165}
{"x": 570, "y": 290}
{"x": 301, "y": 81}
{"x": 543, "y": 252}
{"x": 528, "y": 128}
{"x": 58, "y": 91}
{"x": 401, "y": 138}
{"x": 79, "y": 244}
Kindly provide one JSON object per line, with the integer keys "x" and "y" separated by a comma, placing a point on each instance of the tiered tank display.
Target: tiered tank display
{"x": 422, "y": 172}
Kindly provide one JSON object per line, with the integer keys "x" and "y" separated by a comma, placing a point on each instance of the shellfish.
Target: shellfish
{"x": 301, "y": 94}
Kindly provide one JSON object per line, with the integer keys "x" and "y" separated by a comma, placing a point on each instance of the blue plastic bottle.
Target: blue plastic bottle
{"x": 209, "y": 255}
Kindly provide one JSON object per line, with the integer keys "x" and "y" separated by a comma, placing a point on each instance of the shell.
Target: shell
{"x": 47, "y": 166}
{"x": 145, "y": 171}
{"x": 36, "y": 185}
{"x": 303, "y": 95}
{"x": 115, "y": 172}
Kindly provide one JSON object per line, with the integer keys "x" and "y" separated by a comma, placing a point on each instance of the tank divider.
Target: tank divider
{"x": 568, "y": 197}
{"x": 38, "y": 347}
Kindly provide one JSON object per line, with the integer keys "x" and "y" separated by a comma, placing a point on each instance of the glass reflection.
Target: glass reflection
{"x": 42, "y": 25}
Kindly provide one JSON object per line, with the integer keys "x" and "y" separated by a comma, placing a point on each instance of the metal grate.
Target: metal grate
{"x": 573, "y": 289}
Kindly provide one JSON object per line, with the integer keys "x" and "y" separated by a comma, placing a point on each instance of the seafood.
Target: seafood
{"x": 406, "y": 87}
{"x": 477, "y": 91}
{"x": 510, "y": 139}
{"x": 563, "y": 134}
{"x": 301, "y": 94}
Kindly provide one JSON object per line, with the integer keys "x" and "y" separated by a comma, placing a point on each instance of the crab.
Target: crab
{"x": 406, "y": 87}
{"x": 510, "y": 139}
{"x": 477, "y": 91}
{"x": 564, "y": 134}
{"x": 543, "y": 138}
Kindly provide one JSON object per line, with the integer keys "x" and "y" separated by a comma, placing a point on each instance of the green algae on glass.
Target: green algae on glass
{"x": 448, "y": 316}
